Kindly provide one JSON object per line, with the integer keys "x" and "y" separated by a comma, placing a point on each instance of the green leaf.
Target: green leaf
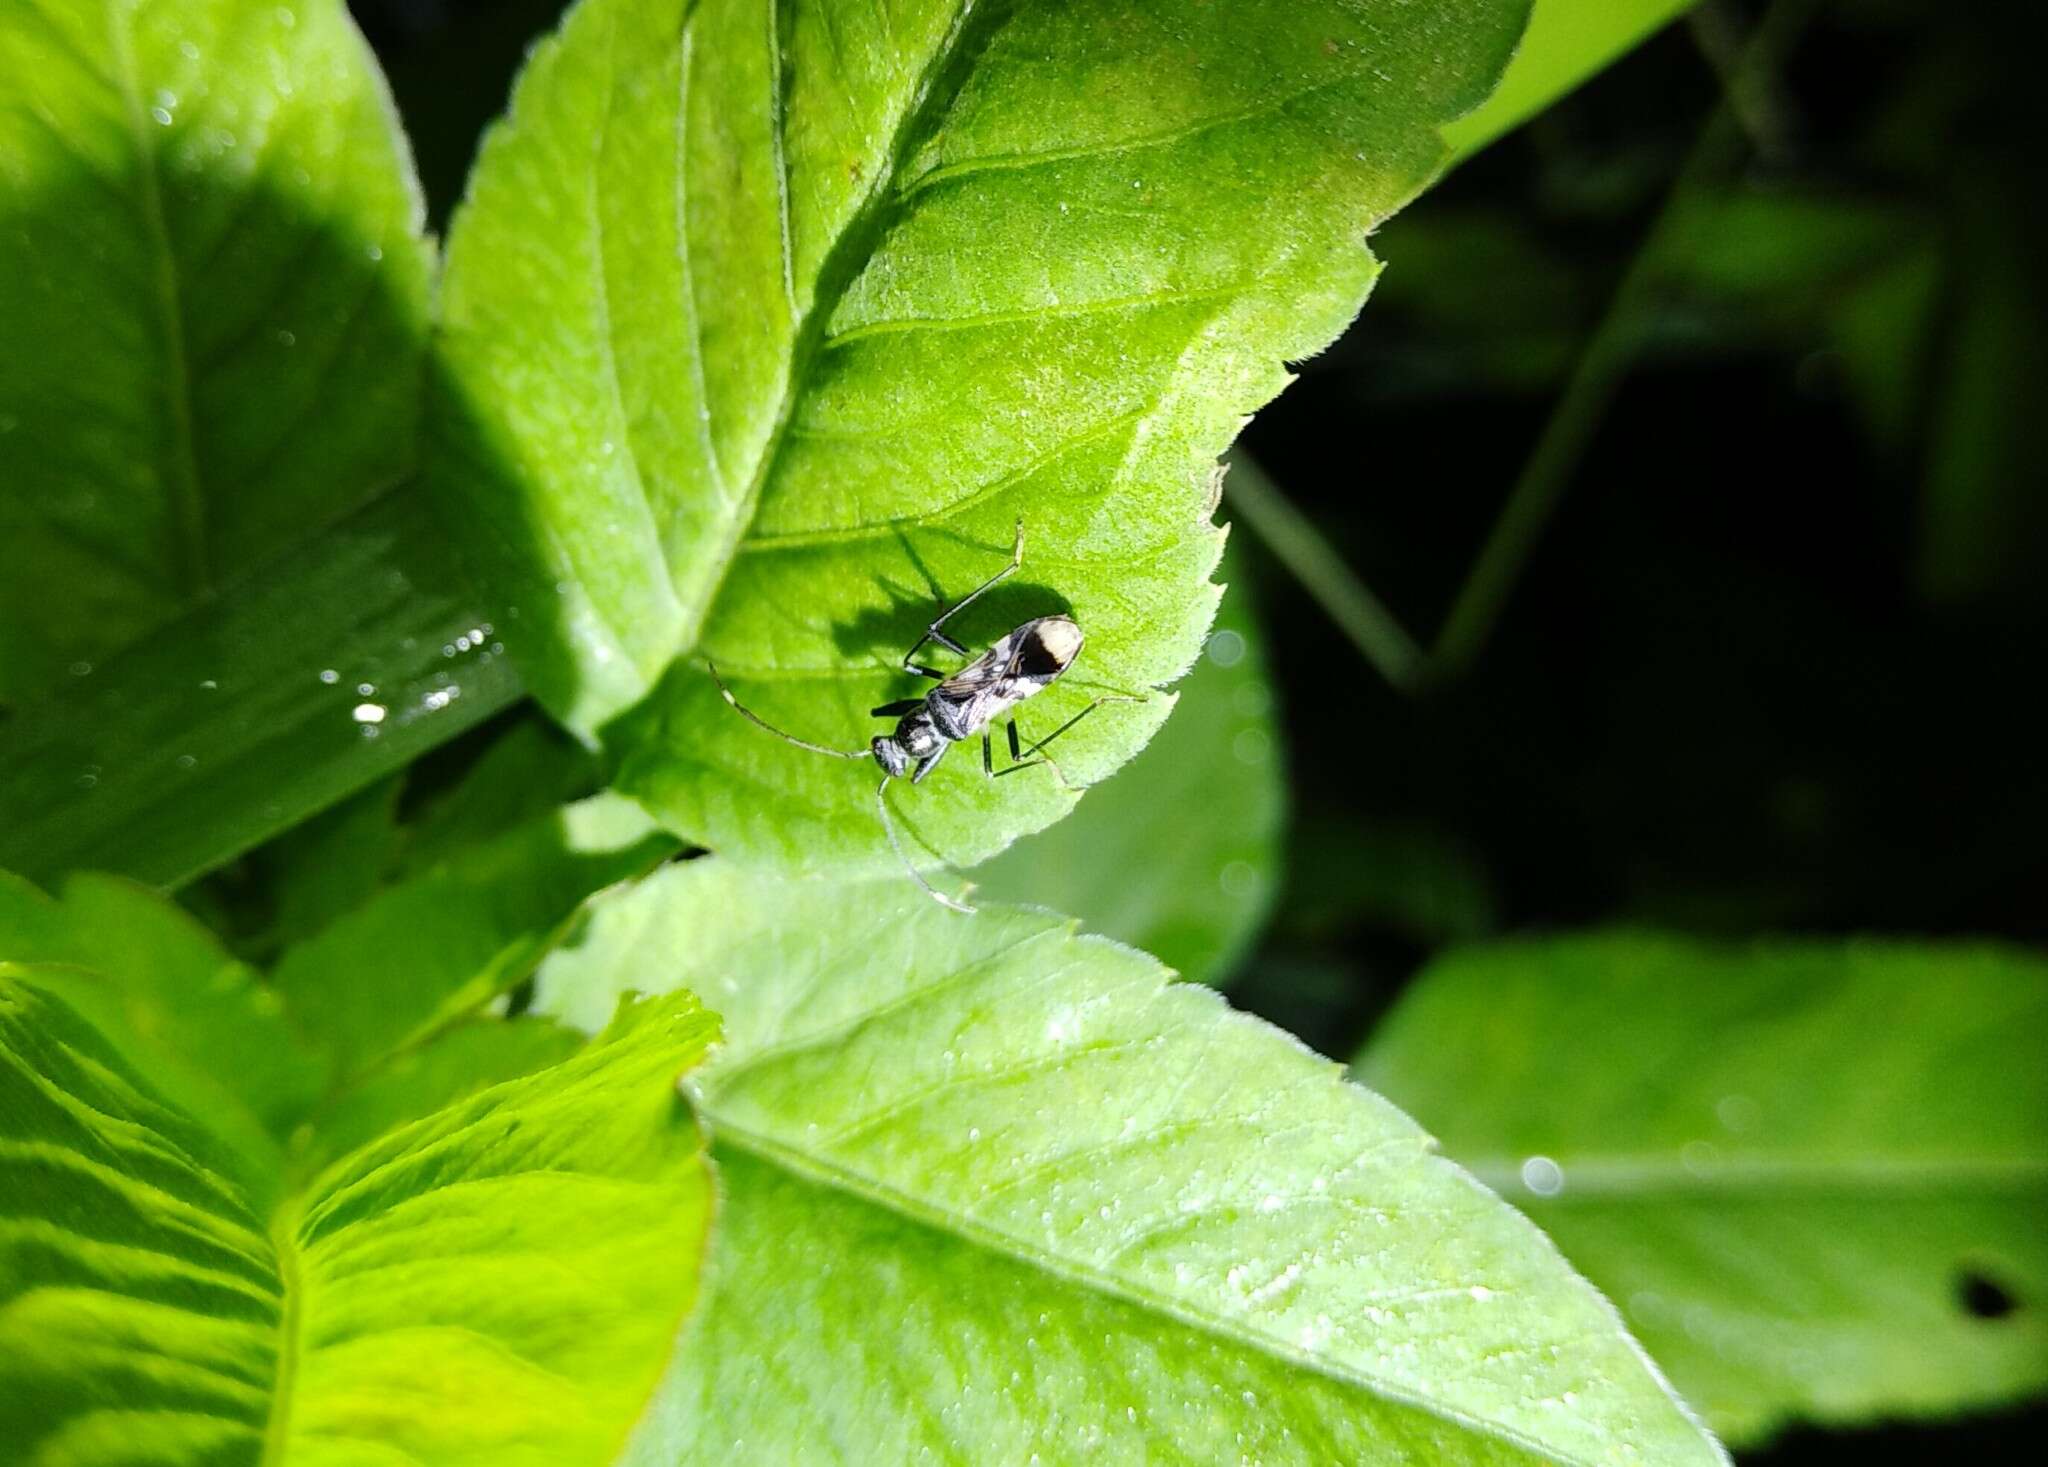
{"x": 532, "y": 768}
{"x": 215, "y": 302}
{"x": 427, "y": 952}
{"x": 789, "y": 314}
{"x": 471, "y": 1055}
{"x": 212, "y": 1036}
{"x": 1179, "y": 855}
{"x": 989, "y": 1188}
{"x": 332, "y": 864}
{"x": 499, "y": 1282}
{"x": 1568, "y": 42}
{"x": 1790, "y": 1165}
{"x": 247, "y": 715}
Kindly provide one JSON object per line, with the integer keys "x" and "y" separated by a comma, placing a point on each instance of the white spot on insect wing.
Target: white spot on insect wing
{"x": 1061, "y": 637}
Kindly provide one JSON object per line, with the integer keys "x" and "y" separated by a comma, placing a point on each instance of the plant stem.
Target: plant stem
{"x": 1335, "y": 587}
{"x": 1605, "y": 360}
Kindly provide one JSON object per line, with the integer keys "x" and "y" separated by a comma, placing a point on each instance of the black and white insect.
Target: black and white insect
{"x": 1022, "y": 664}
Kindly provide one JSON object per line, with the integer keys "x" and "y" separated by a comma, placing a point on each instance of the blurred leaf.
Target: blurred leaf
{"x": 425, "y": 953}
{"x": 990, "y": 1189}
{"x": 333, "y": 863}
{"x": 155, "y": 1308}
{"x": 1984, "y": 525}
{"x": 216, "y": 293}
{"x": 1406, "y": 877}
{"x": 1800, "y": 1169}
{"x": 525, "y": 773}
{"x": 207, "y": 1031}
{"x": 247, "y": 715}
{"x": 1179, "y": 855}
{"x": 294, "y": 887}
{"x": 790, "y": 316}
{"x": 1568, "y": 42}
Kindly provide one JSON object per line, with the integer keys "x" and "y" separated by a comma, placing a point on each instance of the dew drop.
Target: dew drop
{"x": 368, "y": 713}
{"x": 1542, "y": 1176}
{"x": 329, "y": 676}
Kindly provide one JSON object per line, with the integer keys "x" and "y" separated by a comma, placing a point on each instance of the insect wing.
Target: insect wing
{"x": 987, "y": 671}
{"x": 985, "y": 687}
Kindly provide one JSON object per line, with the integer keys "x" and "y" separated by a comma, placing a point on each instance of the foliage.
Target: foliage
{"x": 252, "y": 257}
{"x": 1106, "y": 1210}
{"x": 192, "y": 1270}
{"x": 334, "y": 1123}
{"x": 761, "y": 417}
{"x": 1795, "y": 1226}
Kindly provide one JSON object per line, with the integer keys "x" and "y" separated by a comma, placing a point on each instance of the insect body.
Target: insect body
{"x": 965, "y": 703}
{"x": 971, "y": 700}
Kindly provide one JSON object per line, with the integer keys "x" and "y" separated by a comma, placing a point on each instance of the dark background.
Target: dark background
{"x": 1774, "y": 661}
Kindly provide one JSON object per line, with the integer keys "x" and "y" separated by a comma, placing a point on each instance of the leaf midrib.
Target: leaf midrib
{"x": 1623, "y": 1177}
{"x": 835, "y": 276}
{"x": 821, "y": 1172}
{"x": 284, "y": 1226}
{"x": 188, "y": 507}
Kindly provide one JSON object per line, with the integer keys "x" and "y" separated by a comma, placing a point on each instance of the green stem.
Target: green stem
{"x": 1336, "y": 588}
{"x": 1603, "y": 363}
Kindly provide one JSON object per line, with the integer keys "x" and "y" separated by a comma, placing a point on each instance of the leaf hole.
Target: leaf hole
{"x": 1984, "y": 1297}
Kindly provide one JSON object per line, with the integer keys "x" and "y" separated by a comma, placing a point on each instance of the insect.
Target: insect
{"x": 965, "y": 703}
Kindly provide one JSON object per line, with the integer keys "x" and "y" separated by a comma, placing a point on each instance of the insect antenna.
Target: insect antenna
{"x": 787, "y": 738}
{"x": 889, "y": 829}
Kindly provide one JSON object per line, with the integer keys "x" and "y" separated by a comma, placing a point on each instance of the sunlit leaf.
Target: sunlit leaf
{"x": 1179, "y": 854}
{"x": 990, "y": 1189}
{"x": 788, "y": 316}
{"x": 1812, "y": 1175}
{"x": 470, "y": 1055}
{"x": 205, "y": 1028}
{"x": 498, "y": 1282}
{"x": 215, "y": 297}
{"x": 1568, "y": 42}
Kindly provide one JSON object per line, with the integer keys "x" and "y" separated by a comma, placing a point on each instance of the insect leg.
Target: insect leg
{"x": 889, "y": 829}
{"x": 988, "y": 763}
{"x": 933, "y": 633}
{"x": 787, "y": 738}
{"x": 1037, "y": 749}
